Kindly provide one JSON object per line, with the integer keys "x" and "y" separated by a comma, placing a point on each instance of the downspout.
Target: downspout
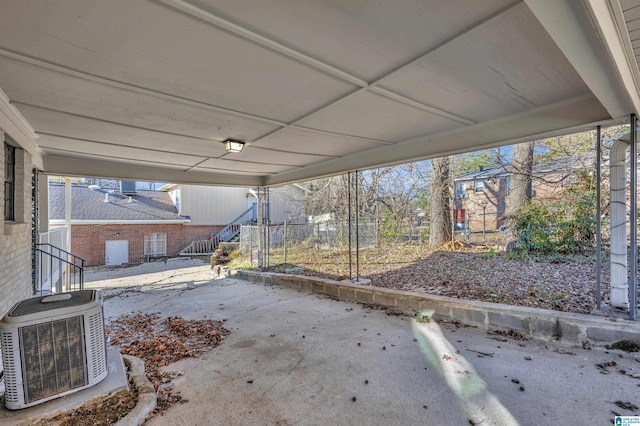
{"x": 618, "y": 262}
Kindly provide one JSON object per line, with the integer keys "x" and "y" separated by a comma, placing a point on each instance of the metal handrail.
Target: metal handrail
{"x": 64, "y": 260}
{"x": 61, "y": 250}
{"x": 225, "y": 234}
{"x": 238, "y": 221}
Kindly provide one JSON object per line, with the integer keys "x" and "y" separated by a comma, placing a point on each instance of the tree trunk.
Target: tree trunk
{"x": 521, "y": 188}
{"x": 440, "y": 226}
{"x": 521, "y": 176}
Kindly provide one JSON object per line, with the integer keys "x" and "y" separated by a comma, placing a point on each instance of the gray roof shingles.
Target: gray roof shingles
{"x": 88, "y": 204}
{"x": 554, "y": 165}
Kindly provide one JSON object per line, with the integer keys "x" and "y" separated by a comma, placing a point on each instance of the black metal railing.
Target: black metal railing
{"x": 57, "y": 270}
{"x": 228, "y": 233}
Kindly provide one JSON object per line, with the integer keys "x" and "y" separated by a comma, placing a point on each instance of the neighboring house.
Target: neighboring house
{"x": 116, "y": 226}
{"x": 234, "y": 207}
{"x": 112, "y": 228}
{"x": 220, "y": 205}
{"x": 482, "y": 196}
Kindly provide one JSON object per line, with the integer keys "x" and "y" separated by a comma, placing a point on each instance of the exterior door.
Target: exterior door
{"x": 116, "y": 252}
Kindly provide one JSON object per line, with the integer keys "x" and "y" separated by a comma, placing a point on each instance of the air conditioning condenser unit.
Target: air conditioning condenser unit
{"x": 52, "y": 346}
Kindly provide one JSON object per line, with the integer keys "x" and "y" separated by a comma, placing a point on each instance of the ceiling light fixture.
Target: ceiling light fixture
{"x": 233, "y": 145}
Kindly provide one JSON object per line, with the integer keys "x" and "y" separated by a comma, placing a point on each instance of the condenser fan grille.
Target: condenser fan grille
{"x": 53, "y": 357}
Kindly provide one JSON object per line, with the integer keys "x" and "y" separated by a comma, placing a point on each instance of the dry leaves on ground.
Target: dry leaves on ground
{"x": 103, "y": 412}
{"x": 160, "y": 342}
{"x": 559, "y": 282}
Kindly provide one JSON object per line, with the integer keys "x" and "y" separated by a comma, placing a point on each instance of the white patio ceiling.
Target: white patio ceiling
{"x": 144, "y": 89}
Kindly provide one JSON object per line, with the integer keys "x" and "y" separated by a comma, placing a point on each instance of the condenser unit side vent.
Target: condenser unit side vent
{"x": 9, "y": 363}
{"x": 98, "y": 345}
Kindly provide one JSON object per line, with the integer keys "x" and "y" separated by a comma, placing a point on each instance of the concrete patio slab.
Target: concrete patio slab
{"x": 297, "y": 357}
{"x": 602, "y": 329}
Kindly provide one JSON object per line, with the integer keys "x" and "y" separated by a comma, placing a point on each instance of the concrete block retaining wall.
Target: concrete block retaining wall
{"x": 536, "y": 323}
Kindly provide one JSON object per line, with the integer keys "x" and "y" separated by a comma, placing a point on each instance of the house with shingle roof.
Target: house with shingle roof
{"x": 109, "y": 227}
{"x": 92, "y": 204}
{"x": 481, "y": 196}
{"x": 126, "y": 225}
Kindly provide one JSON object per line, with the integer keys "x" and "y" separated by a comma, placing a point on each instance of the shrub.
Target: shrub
{"x": 563, "y": 225}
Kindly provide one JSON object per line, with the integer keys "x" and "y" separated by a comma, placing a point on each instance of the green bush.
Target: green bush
{"x": 563, "y": 225}
{"x": 533, "y": 224}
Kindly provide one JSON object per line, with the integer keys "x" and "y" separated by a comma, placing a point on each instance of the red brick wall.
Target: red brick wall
{"x": 88, "y": 241}
{"x": 497, "y": 201}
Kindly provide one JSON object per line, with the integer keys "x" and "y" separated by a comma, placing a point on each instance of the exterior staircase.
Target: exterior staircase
{"x": 56, "y": 270}
{"x": 230, "y": 233}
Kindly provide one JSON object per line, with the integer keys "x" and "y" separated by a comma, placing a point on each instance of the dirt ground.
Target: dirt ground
{"x": 476, "y": 272}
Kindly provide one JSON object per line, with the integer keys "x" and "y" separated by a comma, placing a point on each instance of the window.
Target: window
{"x": 461, "y": 190}
{"x": 9, "y": 182}
{"x": 478, "y": 186}
{"x": 155, "y": 244}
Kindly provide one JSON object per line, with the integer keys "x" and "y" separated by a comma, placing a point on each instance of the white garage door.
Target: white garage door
{"x": 116, "y": 252}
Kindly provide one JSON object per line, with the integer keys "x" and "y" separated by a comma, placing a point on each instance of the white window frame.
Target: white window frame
{"x": 478, "y": 186}
{"x": 10, "y": 182}
{"x": 155, "y": 244}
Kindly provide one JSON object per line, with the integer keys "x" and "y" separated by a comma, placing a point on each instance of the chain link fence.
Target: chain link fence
{"x": 281, "y": 239}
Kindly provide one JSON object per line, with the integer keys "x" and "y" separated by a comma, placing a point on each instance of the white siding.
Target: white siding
{"x": 212, "y": 205}
{"x": 287, "y": 203}
{"x": 217, "y": 205}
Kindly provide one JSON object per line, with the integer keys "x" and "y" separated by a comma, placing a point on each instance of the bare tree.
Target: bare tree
{"x": 381, "y": 191}
{"x": 521, "y": 176}
{"x": 441, "y": 183}
{"x": 328, "y": 196}
{"x": 521, "y": 186}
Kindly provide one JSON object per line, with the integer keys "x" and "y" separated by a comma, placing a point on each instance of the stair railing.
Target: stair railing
{"x": 225, "y": 234}
{"x": 57, "y": 270}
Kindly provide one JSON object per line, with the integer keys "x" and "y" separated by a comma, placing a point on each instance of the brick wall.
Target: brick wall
{"x": 492, "y": 203}
{"x": 88, "y": 241}
{"x": 15, "y": 240}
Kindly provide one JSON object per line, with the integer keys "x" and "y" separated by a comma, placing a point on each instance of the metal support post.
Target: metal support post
{"x": 598, "y": 219}
{"x": 357, "y": 233}
{"x": 260, "y": 229}
{"x": 484, "y": 221}
{"x": 267, "y": 229}
{"x": 251, "y": 246}
{"x": 65, "y": 283}
{"x": 466, "y": 228}
{"x": 284, "y": 242}
{"x": 633, "y": 259}
{"x": 349, "y": 213}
